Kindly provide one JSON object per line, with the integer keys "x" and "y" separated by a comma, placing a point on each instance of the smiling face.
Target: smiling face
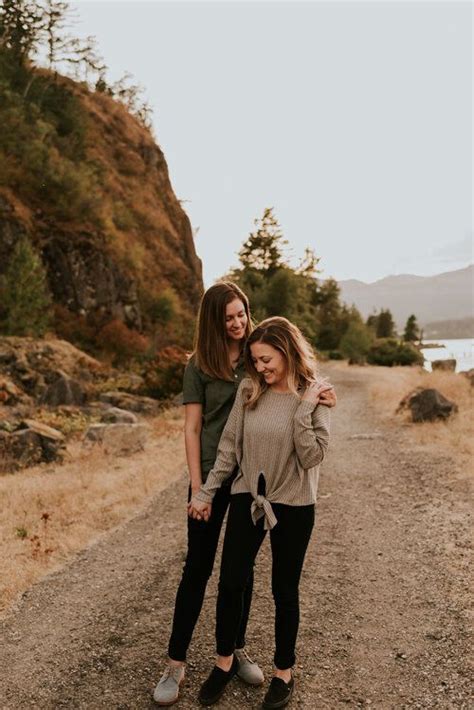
{"x": 269, "y": 363}
{"x": 235, "y": 320}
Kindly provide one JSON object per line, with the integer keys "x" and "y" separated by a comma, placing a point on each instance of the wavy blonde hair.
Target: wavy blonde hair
{"x": 288, "y": 339}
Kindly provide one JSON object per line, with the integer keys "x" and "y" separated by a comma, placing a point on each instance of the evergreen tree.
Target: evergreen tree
{"x": 309, "y": 264}
{"x": 263, "y": 250}
{"x": 25, "y": 298}
{"x": 372, "y": 322}
{"x": 412, "y": 331}
{"x": 329, "y": 315}
{"x": 356, "y": 342}
{"x": 385, "y": 325}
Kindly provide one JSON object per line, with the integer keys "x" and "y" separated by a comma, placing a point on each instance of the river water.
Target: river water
{"x": 461, "y": 349}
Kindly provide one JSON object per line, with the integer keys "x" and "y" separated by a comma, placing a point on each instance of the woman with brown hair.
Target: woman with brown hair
{"x": 277, "y": 434}
{"x": 211, "y": 380}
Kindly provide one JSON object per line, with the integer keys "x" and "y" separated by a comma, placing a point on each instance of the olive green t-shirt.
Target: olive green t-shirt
{"x": 216, "y": 397}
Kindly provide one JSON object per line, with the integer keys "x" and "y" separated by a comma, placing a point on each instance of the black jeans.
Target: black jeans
{"x": 202, "y": 546}
{"x": 289, "y": 541}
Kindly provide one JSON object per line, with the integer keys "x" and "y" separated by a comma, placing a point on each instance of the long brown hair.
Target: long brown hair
{"x": 288, "y": 339}
{"x": 211, "y": 347}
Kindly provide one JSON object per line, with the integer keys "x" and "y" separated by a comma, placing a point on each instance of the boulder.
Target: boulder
{"x": 114, "y": 415}
{"x": 52, "y": 441}
{"x": 429, "y": 404}
{"x": 444, "y": 365}
{"x": 24, "y": 448}
{"x": 117, "y": 438}
{"x": 64, "y": 390}
{"x": 405, "y": 401}
{"x": 30, "y": 443}
{"x": 131, "y": 402}
{"x": 469, "y": 374}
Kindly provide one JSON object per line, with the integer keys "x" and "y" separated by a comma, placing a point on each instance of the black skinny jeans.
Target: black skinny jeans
{"x": 289, "y": 541}
{"x": 202, "y": 546}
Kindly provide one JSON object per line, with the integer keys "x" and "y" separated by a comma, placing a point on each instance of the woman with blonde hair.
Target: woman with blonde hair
{"x": 277, "y": 434}
{"x": 211, "y": 380}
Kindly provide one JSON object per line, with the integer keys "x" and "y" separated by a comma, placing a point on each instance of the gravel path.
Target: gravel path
{"x": 383, "y": 596}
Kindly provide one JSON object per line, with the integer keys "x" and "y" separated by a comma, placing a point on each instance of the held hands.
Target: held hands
{"x": 320, "y": 393}
{"x": 198, "y": 510}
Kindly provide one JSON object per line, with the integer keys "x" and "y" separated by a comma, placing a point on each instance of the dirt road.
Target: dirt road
{"x": 383, "y": 596}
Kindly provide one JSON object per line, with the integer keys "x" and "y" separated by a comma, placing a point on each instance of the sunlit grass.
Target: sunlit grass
{"x": 453, "y": 436}
{"x": 50, "y": 512}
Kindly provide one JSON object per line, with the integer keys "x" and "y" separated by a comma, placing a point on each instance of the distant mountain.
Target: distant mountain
{"x": 445, "y": 296}
{"x": 459, "y": 328}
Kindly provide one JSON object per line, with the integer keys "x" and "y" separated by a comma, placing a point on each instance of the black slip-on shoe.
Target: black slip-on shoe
{"x": 278, "y": 694}
{"x": 213, "y": 688}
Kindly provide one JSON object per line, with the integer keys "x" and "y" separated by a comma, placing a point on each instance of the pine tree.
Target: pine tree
{"x": 329, "y": 315}
{"x": 25, "y": 298}
{"x": 372, "y": 322}
{"x": 412, "y": 331}
{"x": 385, "y": 325}
{"x": 263, "y": 250}
{"x": 309, "y": 264}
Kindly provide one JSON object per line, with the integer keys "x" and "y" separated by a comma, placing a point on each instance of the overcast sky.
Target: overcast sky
{"x": 353, "y": 120}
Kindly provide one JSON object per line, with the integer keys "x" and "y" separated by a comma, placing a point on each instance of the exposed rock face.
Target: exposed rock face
{"x": 84, "y": 278}
{"x": 28, "y": 366}
{"x": 63, "y": 390}
{"x": 140, "y": 240}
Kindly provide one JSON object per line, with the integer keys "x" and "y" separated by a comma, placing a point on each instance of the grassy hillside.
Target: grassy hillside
{"x": 86, "y": 183}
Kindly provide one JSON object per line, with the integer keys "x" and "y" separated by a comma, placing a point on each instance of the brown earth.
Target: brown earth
{"x": 384, "y": 593}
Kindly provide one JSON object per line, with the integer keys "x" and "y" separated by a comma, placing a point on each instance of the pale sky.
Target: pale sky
{"x": 353, "y": 120}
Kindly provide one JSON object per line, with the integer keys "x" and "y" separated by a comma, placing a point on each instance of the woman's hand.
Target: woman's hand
{"x": 328, "y": 396}
{"x": 319, "y": 393}
{"x": 199, "y": 510}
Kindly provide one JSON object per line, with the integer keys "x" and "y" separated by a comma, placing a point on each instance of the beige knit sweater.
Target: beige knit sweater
{"x": 283, "y": 438}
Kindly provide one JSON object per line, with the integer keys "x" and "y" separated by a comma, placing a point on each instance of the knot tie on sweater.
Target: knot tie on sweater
{"x": 261, "y": 507}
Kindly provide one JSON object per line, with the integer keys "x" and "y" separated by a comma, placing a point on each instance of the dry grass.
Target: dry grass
{"x": 454, "y": 436}
{"x": 48, "y": 513}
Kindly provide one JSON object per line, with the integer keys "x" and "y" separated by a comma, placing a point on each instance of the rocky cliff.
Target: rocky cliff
{"x": 90, "y": 187}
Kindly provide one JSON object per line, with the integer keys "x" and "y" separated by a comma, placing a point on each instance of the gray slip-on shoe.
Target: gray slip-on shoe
{"x": 248, "y": 670}
{"x": 167, "y": 689}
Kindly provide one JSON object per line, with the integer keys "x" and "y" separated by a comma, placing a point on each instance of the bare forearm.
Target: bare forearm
{"x": 192, "y": 441}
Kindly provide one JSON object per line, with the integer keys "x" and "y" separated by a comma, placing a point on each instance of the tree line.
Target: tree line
{"x": 338, "y": 330}
{"x": 273, "y": 285}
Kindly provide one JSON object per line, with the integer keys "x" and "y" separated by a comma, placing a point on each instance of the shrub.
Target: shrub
{"x": 121, "y": 342}
{"x": 355, "y": 342}
{"x": 389, "y": 352}
{"x": 25, "y": 297}
{"x": 164, "y": 374}
{"x": 73, "y": 327}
